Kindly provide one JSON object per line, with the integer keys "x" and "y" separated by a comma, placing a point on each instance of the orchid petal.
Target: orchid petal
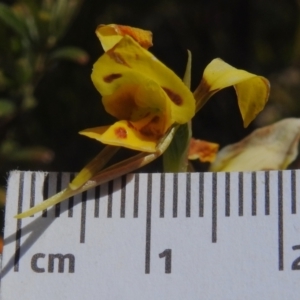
{"x": 202, "y": 150}
{"x": 110, "y": 35}
{"x": 128, "y": 63}
{"x": 137, "y": 99}
{"x": 252, "y": 90}
{"x": 122, "y": 133}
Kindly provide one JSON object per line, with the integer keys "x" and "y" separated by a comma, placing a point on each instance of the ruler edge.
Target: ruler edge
{"x": 13, "y": 173}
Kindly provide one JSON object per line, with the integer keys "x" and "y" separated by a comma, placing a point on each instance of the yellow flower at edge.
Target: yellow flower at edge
{"x": 142, "y": 93}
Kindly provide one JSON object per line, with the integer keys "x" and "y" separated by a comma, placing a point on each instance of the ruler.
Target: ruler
{"x": 155, "y": 236}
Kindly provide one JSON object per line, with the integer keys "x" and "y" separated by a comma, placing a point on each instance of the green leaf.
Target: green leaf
{"x": 71, "y": 53}
{"x": 6, "y": 108}
{"x": 62, "y": 13}
{"x": 175, "y": 157}
{"x": 8, "y": 17}
{"x": 37, "y": 154}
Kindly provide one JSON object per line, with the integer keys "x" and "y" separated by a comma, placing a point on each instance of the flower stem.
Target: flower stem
{"x": 93, "y": 167}
{"x": 106, "y": 175}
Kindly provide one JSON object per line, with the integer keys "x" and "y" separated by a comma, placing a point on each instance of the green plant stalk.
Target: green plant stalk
{"x": 175, "y": 157}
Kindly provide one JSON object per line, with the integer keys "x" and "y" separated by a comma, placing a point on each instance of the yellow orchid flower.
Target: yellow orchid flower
{"x": 150, "y": 103}
{"x": 140, "y": 91}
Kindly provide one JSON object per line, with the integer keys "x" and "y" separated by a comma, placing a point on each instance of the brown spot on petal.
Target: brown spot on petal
{"x": 175, "y": 98}
{"x": 110, "y": 78}
{"x": 121, "y": 133}
{"x": 117, "y": 57}
{"x": 143, "y": 37}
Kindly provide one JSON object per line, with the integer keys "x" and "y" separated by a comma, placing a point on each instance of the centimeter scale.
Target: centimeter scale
{"x": 155, "y": 236}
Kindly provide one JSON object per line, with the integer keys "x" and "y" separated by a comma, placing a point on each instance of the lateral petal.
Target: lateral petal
{"x": 252, "y": 97}
{"x": 122, "y": 134}
{"x": 252, "y": 90}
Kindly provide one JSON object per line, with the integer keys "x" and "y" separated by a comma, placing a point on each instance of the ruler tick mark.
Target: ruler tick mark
{"x": 148, "y": 224}
{"x": 83, "y": 217}
{"x": 293, "y": 191}
{"x": 175, "y": 195}
{"x": 188, "y": 195}
{"x": 162, "y": 196}
{"x": 214, "y": 207}
{"x": 267, "y": 192}
{"x": 19, "y": 223}
{"x": 227, "y": 194}
{"x": 97, "y": 201}
{"x": 201, "y": 194}
{"x": 32, "y": 190}
{"x": 136, "y": 195}
{"x": 253, "y": 190}
{"x": 123, "y": 196}
{"x": 46, "y": 193}
{"x": 109, "y": 198}
{"x": 241, "y": 194}
{"x": 280, "y": 221}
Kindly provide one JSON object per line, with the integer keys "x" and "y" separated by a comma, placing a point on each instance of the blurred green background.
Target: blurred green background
{"x": 47, "y": 49}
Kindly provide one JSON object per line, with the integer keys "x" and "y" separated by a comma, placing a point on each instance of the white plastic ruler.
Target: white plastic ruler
{"x": 155, "y": 236}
